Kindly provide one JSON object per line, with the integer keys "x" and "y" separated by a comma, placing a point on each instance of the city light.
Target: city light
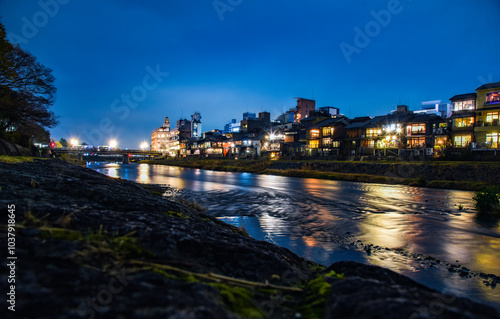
{"x": 144, "y": 145}
{"x": 73, "y": 142}
{"x": 113, "y": 144}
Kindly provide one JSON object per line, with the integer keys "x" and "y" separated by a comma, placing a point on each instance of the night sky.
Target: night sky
{"x": 121, "y": 66}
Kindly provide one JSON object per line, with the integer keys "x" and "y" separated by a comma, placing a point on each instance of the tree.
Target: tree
{"x": 27, "y": 91}
{"x": 63, "y": 142}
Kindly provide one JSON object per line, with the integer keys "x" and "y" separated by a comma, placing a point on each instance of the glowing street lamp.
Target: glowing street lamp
{"x": 113, "y": 144}
{"x": 73, "y": 142}
{"x": 144, "y": 145}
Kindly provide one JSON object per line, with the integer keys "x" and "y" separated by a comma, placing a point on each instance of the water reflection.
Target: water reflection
{"x": 392, "y": 226}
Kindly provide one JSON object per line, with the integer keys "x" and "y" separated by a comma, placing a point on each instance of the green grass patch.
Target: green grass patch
{"x": 487, "y": 202}
{"x": 176, "y": 214}
{"x": 60, "y": 233}
{"x": 16, "y": 159}
{"x": 238, "y": 300}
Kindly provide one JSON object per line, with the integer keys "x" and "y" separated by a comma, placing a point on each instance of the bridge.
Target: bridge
{"x": 104, "y": 155}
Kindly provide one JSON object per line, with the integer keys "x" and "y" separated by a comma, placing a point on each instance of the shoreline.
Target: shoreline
{"x": 469, "y": 176}
{"x": 79, "y": 231}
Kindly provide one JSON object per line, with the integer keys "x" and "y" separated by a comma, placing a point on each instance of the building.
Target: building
{"x": 251, "y": 124}
{"x": 325, "y": 137}
{"x": 330, "y": 110}
{"x": 169, "y": 141}
{"x": 232, "y": 127}
{"x": 487, "y": 129}
{"x": 287, "y": 117}
{"x": 438, "y": 107}
{"x": 463, "y": 120}
{"x": 159, "y": 137}
{"x": 304, "y": 108}
{"x": 196, "y": 125}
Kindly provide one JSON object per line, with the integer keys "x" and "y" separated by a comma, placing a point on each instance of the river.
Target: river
{"x": 422, "y": 233}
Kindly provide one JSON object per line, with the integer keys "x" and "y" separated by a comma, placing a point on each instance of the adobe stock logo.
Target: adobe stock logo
{"x": 31, "y": 27}
{"x": 223, "y": 6}
{"x": 362, "y": 38}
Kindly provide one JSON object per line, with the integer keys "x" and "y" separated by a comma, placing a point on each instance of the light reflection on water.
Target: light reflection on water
{"x": 324, "y": 220}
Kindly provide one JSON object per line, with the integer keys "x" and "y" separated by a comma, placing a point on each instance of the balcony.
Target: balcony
{"x": 485, "y": 146}
{"x": 487, "y": 126}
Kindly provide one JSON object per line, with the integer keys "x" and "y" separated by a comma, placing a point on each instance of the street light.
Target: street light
{"x": 144, "y": 145}
{"x": 73, "y": 142}
{"x": 113, "y": 144}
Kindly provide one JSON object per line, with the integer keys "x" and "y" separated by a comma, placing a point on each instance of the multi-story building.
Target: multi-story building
{"x": 250, "y": 124}
{"x": 463, "y": 120}
{"x": 304, "y": 108}
{"x": 196, "y": 125}
{"x": 438, "y": 107}
{"x": 159, "y": 137}
{"x": 232, "y": 127}
{"x": 325, "y": 137}
{"x": 169, "y": 141}
{"x": 487, "y": 129}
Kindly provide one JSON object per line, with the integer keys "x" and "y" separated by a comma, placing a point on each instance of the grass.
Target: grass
{"x": 16, "y": 159}
{"x": 487, "y": 202}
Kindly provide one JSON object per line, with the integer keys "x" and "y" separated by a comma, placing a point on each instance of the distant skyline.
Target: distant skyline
{"x": 122, "y": 66}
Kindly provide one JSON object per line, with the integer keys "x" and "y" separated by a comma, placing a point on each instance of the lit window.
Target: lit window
{"x": 326, "y": 142}
{"x": 464, "y": 122}
{"x": 327, "y": 131}
{"x": 493, "y": 97}
{"x": 314, "y": 133}
{"x": 372, "y": 132}
{"x": 416, "y": 142}
{"x": 462, "y": 140}
{"x": 492, "y": 139}
{"x": 314, "y": 144}
{"x": 464, "y": 105}
{"x": 491, "y": 116}
{"x": 418, "y": 129}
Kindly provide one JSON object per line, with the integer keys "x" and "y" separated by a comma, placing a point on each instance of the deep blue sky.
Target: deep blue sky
{"x": 257, "y": 56}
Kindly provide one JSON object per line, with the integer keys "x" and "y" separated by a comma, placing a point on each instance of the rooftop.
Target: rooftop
{"x": 489, "y": 86}
{"x": 463, "y": 96}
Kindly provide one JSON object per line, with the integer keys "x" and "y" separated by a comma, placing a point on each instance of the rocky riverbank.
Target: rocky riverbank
{"x": 449, "y": 175}
{"x": 91, "y": 246}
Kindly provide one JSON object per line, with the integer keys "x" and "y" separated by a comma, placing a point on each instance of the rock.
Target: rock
{"x": 94, "y": 246}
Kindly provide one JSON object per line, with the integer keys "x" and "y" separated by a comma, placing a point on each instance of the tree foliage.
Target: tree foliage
{"x": 27, "y": 91}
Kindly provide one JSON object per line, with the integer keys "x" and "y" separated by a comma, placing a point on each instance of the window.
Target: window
{"x": 493, "y": 97}
{"x": 492, "y": 116}
{"x": 327, "y": 131}
{"x": 415, "y": 129}
{"x": 492, "y": 140}
{"x": 371, "y": 144}
{"x": 314, "y": 144}
{"x": 440, "y": 141}
{"x": 371, "y": 132}
{"x": 352, "y": 133}
{"x": 466, "y": 105}
{"x": 464, "y": 122}
{"x": 416, "y": 142}
{"x": 327, "y": 142}
{"x": 314, "y": 133}
{"x": 462, "y": 140}
{"x": 336, "y": 144}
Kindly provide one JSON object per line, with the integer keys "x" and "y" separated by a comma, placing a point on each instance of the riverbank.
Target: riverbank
{"x": 92, "y": 246}
{"x": 447, "y": 175}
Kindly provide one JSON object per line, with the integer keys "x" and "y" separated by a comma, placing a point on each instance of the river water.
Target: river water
{"x": 418, "y": 232}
